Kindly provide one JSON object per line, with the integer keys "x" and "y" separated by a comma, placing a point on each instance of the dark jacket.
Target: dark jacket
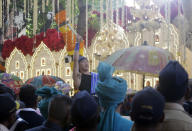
{"x": 47, "y": 126}
{"x": 31, "y": 117}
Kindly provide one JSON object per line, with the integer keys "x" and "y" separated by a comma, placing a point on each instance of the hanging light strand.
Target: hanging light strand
{"x": 1, "y": 12}
{"x": 47, "y": 2}
{"x": 111, "y": 10}
{"x": 72, "y": 6}
{"x": 69, "y": 10}
{"x": 101, "y": 13}
{"x": 35, "y": 11}
{"x": 123, "y": 13}
{"x": 93, "y": 4}
{"x": 107, "y": 11}
{"x": 43, "y": 11}
{"x": 117, "y": 13}
{"x": 58, "y": 17}
{"x": 12, "y": 21}
{"x": 43, "y": 6}
{"x": 25, "y": 7}
{"x": 8, "y": 3}
{"x": 86, "y": 23}
{"x": 66, "y": 24}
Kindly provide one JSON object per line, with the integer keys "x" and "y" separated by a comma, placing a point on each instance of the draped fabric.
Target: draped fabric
{"x": 111, "y": 92}
{"x": 94, "y": 79}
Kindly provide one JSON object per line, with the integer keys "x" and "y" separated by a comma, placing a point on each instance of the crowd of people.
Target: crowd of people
{"x": 101, "y": 103}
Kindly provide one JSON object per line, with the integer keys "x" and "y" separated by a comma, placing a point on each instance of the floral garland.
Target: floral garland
{"x": 26, "y": 44}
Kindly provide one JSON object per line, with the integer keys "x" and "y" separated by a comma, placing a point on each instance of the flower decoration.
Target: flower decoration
{"x": 53, "y": 40}
{"x": 7, "y": 48}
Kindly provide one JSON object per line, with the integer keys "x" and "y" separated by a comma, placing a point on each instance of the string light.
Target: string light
{"x": 41, "y": 47}
{"x": 1, "y": 12}
{"x": 12, "y": 58}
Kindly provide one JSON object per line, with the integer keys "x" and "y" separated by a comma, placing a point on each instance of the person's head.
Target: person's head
{"x": 84, "y": 111}
{"x": 148, "y": 84}
{"x": 27, "y": 96}
{"x": 173, "y": 82}
{"x": 110, "y": 90}
{"x": 5, "y": 89}
{"x": 7, "y": 110}
{"x": 147, "y": 108}
{"x": 59, "y": 110}
{"x": 83, "y": 64}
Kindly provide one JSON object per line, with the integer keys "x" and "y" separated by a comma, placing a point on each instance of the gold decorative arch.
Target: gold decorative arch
{"x": 110, "y": 39}
{"x": 8, "y": 61}
{"x": 41, "y": 47}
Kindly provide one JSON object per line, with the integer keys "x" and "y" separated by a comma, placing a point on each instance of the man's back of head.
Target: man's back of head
{"x": 6, "y": 89}
{"x": 28, "y": 96}
{"x": 147, "y": 109}
{"x": 84, "y": 111}
{"x": 173, "y": 82}
{"x": 59, "y": 110}
{"x": 7, "y": 110}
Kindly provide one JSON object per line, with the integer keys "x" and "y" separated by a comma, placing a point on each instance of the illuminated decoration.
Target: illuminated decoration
{"x": 110, "y": 39}
{"x": 1, "y": 13}
{"x": 42, "y": 51}
{"x": 35, "y": 11}
{"x": 17, "y": 64}
{"x": 43, "y": 63}
{"x": 18, "y": 21}
{"x": 25, "y": 7}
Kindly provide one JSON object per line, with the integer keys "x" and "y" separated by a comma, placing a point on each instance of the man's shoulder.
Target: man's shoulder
{"x": 123, "y": 121}
{"x": 39, "y": 128}
{"x": 176, "y": 120}
{"x": 175, "y": 115}
{"x": 172, "y": 125}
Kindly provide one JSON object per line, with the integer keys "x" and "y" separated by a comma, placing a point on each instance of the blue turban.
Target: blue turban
{"x": 46, "y": 93}
{"x": 111, "y": 92}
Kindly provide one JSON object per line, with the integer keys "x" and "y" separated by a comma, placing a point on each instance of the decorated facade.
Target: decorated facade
{"x": 156, "y": 22}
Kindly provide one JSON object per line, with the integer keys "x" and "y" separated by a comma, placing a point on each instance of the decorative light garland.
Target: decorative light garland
{"x": 72, "y": 18}
{"x": 39, "y": 48}
{"x": 35, "y": 16}
{"x": 53, "y": 7}
{"x": 101, "y": 14}
{"x": 25, "y": 7}
{"x": 123, "y": 13}
{"x": 8, "y": 61}
{"x": 43, "y": 6}
{"x": 68, "y": 11}
{"x": 58, "y": 17}
{"x": 47, "y": 2}
{"x": 86, "y": 23}
{"x": 1, "y": 14}
{"x": 8, "y": 3}
{"x": 107, "y": 11}
{"x": 117, "y": 12}
{"x": 63, "y": 54}
{"x": 111, "y": 10}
